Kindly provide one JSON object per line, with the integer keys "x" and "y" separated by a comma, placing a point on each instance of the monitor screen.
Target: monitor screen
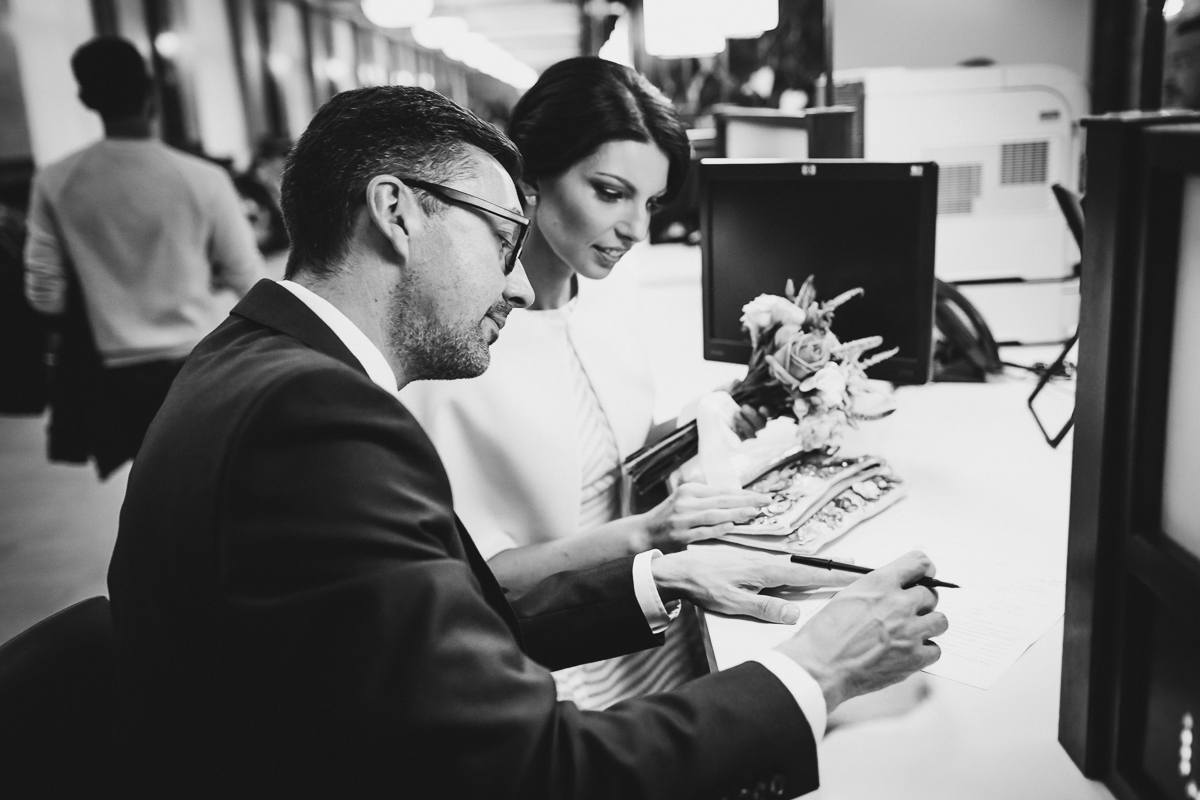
{"x": 1181, "y": 470}
{"x": 849, "y": 223}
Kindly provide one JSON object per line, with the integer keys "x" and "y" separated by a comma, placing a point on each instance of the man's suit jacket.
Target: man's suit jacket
{"x": 298, "y": 612}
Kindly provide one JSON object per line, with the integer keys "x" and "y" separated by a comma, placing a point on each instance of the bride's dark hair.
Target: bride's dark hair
{"x": 579, "y": 104}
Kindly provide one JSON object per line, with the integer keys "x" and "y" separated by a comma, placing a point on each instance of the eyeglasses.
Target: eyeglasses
{"x": 1054, "y": 411}
{"x": 455, "y": 196}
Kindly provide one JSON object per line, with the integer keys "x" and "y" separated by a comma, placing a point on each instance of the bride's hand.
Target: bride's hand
{"x": 745, "y": 420}
{"x": 694, "y": 511}
{"x": 749, "y": 421}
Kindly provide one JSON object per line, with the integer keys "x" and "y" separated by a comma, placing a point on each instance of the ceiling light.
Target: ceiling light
{"x": 167, "y": 44}
{"x": 435, "y": 32}
{"x": 748, "y": 19}
{"x": 396, "y": 13}
{"x": 1171, "y": 8}
{"x": 683, "y": 28}
{"x": 456, "y": 40}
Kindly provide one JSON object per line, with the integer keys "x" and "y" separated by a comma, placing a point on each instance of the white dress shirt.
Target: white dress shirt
{"x": 796, "y": 679}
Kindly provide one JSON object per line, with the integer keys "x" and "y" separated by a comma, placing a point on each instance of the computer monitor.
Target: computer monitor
{"x": 850, "y": 223}
{"x": 1129, "y": 705}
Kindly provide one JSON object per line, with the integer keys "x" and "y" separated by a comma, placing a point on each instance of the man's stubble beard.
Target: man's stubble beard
{"x": 430, "y": 350}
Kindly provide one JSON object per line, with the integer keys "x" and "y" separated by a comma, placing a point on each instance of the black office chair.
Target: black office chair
{"x": 56, "y": 706}
{"x": 1071, "y": 205}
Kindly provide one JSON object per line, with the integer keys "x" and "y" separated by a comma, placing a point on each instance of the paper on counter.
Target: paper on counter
{"x": 1002, "y": 609}
{"x": 999, "y": 613}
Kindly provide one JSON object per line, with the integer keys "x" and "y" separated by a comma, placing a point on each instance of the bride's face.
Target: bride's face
{"x": 590, "y": 215}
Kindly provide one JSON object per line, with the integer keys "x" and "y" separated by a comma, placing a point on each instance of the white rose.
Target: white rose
{"x": 830, "y": 383}
{"x": 786, "y": 313}
{"x": 766, "y": 311}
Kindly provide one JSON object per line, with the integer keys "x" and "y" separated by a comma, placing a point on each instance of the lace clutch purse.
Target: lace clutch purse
{"x": 815, "y": 502}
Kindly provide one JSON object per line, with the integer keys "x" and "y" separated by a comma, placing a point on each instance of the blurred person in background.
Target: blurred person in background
{"x": 259, "y": 188}
{"x": 534, "y": 446}
{"x": 266, "y": 220}
{"x": 1181, "y": 65}
{"x": 22, "y": 330}
{"x": 267, "y": 166}
{"x": 129, "y": 242}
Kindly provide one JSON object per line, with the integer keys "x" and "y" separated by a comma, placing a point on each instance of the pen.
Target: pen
{"x": 930, "y": 583}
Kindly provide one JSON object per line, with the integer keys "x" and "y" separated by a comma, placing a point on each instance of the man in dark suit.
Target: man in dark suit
{"x": 298, "y": 611}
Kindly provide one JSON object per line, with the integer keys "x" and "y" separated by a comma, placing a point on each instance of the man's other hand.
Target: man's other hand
{"x": 728, "y": 581}
{"x": 874, "y": 633}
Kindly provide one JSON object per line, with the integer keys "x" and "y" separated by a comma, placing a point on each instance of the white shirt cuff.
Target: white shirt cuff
{"x": 658, "y": 616}
{"x": 802, "y": 686}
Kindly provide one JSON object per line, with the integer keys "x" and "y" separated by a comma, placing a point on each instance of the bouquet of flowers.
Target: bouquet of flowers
{"x": 798, "y": 368}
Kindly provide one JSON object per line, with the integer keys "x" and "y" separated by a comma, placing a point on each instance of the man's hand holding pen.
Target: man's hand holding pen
{"x": 874, "y": 633}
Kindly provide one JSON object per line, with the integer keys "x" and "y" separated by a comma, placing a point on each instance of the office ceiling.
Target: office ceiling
{"x": 537, "y": 32}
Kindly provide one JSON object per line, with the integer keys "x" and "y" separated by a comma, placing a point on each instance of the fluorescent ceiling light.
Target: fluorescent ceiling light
{"x": 682, "y": 28}
{"x": 750, "y": 18}
{"x": 168, "y": 44}
{"x": 396, "y": 13}
{"x": 434, "y": 33}
{"x": 453, "y": 37}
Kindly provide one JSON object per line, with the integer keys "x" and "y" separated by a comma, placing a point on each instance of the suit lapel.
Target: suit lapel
{"x": 270, "y": 304}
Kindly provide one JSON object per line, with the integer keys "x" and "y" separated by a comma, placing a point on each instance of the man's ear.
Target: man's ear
{"x": 529, "y": 190}
{"x": 393, "y": 211}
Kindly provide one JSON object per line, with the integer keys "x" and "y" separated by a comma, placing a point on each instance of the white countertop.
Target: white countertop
{"x": 981, "y": 483}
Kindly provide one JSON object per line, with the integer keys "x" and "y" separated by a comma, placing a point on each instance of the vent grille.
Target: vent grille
{"x": 1024, "y": 162}
{"x": 958, "y": 186}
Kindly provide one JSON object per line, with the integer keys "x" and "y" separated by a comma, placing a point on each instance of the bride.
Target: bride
{"x": 533, "y": 447}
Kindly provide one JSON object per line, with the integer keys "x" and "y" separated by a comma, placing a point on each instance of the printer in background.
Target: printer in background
{"x": 1002, "y": 136}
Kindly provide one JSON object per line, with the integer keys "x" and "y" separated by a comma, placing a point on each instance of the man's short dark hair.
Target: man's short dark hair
{"x": 112, "y": 76}
{"x": 383, "y": 130}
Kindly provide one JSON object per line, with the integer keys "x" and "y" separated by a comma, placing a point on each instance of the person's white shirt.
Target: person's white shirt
{"x": 150, "y": 233}
{"x": 802, "y": 686}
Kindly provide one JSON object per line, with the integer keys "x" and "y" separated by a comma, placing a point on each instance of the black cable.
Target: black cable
{"x": 1038, "y": 368}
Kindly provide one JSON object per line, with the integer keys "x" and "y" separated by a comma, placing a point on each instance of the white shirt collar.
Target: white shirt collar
{"x": 362, "y": 348}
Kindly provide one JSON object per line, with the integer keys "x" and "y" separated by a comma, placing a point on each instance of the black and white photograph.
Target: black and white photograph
{"x": 600, "y": 399}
